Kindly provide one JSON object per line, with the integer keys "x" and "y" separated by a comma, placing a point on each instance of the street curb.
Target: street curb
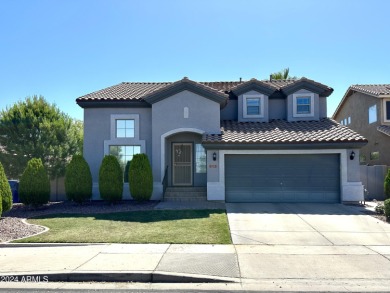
{"x": 13, "y": 245}
{"x": 139, "y": 277}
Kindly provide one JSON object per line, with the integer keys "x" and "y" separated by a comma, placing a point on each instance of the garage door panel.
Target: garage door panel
{"x": 282, "y": 178}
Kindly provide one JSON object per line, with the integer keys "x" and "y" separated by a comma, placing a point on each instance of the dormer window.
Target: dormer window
{"x": 303, "y": 105}
{"x": 253, "y": 106}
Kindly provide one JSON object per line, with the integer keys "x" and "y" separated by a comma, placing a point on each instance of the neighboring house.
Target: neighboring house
{"x": 366, "y": 109}
{"x": 247, "y": 141}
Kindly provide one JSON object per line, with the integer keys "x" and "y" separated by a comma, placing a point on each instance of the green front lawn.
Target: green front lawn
{"x": 161, "y": 226}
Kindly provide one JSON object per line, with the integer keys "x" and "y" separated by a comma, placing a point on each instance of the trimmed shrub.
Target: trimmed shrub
{"x": 34, "y": 185}
{"x": 78, "y": 180}
{"x": 387, "y": 208}
{"x": 126, "y": 175}
{"x": 140, "y": 178}
{"x": 387, "y": 184}
{"x": 5, "y": 192}
{"x": 110, "y": 179}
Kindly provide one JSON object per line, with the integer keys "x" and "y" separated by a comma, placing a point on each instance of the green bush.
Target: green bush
{"x": 78, "y": 180}
{"x": 387, "y": 207}
{"x": 140, "y": 178}
{"x": 380, "y": 209}
{"x": 126, "y": 173}
{"x": 110, "y": 179}
{"x": 34, "y": 185}
{"x": 5, "y": 192}
{"x": 387, "y": 184}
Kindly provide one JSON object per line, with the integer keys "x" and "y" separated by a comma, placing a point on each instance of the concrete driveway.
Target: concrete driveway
{"x": 304, "y": 224}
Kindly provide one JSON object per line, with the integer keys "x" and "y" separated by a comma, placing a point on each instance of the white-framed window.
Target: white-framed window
{"x": 303, "y": 105}
{"x": 386, "y": 110}
{"x": 253, "y": 106}
{"x": 349, "y": 120}
{"x": 124, "y": 154}
{"x": 372, "y": 114}
{"x": 124, "y": 128}
{"x": 200, "y": 158}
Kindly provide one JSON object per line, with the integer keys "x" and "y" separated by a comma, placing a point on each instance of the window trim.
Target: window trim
{"x": 245, "y": 109}
{"x": 295, "y": 104}
{"x": 384, "y": 110}
{"x": 124, "y": 140}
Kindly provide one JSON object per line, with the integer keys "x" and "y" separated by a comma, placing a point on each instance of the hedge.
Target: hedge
{"x": 34, "y": 185}
{"x": 78, "y": 180}
{"x": 110, "y": 179}
{"x": 140, "y": 178}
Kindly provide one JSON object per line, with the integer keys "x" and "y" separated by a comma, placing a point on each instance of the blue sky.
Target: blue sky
{"x": 65, "y": 49}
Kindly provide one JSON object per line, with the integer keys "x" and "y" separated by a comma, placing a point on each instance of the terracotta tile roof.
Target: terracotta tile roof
{"x": 125, "y": 91}
{"x": 135, "y": 91}
{"x": 372, "y": 89}
{"x": 281, "y": 131}
{"x": 384, "y": 129}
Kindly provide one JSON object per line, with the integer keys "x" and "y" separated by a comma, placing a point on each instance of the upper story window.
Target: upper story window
{"x": 372, "y": 116}
{"x": 124, "y": 128}
{"x": 253, "y": 106}
{"x": 386, "y": 109}
{"x": 303, "y": 105}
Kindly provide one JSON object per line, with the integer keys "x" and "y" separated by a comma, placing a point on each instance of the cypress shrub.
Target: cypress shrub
{"x": 126, "y": 174}
{"x": 5, "y": 192}
{"x": 140, "y": 178}
{"x": 78, "y": 180}
{"x": 387, "y": 184}
{"x": 110, "y": 179}
{"x": 34, "y": 185}
{"x": 387, "y": 208}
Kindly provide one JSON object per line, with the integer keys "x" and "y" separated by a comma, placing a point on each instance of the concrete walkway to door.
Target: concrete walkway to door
{"x": 304, "y": 224}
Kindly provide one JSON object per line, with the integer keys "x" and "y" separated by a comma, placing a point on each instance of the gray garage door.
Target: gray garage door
{"x": 282, "y": 178}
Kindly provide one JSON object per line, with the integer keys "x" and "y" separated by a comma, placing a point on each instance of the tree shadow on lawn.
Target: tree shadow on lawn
{"x": 141, "y": 216}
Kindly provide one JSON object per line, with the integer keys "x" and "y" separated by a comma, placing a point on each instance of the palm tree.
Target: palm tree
{"x": 283, "y": 74}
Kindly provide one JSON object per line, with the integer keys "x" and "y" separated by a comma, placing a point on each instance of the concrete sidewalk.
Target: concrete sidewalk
{"x": 301, "y": 268}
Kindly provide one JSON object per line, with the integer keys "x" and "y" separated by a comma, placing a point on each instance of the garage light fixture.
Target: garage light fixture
{"x": 214, "y": 156}
{"x": 352, "y": 155}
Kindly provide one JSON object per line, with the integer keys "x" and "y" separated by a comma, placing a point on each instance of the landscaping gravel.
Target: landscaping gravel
{"x": 12, "y": 226}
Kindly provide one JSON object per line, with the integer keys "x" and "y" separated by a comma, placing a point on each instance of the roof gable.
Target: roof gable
{"x": 374, "y": 90}
{"x": 189, "y": 85}
{"x": 308, "y": 84}
{"x": 253, "y": 84}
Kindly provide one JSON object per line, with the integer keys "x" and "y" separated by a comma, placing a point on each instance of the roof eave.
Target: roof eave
{"x": 112, "y": 104}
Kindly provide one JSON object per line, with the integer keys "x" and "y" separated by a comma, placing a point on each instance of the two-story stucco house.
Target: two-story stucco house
{"x": 366, "y": 109}
{"x": 246, "y": 141}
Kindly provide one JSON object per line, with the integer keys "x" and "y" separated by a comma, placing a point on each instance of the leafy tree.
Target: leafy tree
{"x": 283, "y": 74}
{"x": 36, "y": 129}
{"x": 34, "y": 184}
{"x": 78, "y": 180}
{"x": 5, "y": 192}
{"x": 140, "y": 178}
{"x": 110, "y": 179}
{"x": 387, "y": 184}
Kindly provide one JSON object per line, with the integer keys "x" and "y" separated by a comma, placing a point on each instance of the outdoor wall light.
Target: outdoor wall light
{"x": 352, "y": 155}
{"x": 214, "y": 156}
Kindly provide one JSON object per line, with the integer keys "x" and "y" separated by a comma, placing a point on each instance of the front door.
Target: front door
{"x": 182, "y": 164}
